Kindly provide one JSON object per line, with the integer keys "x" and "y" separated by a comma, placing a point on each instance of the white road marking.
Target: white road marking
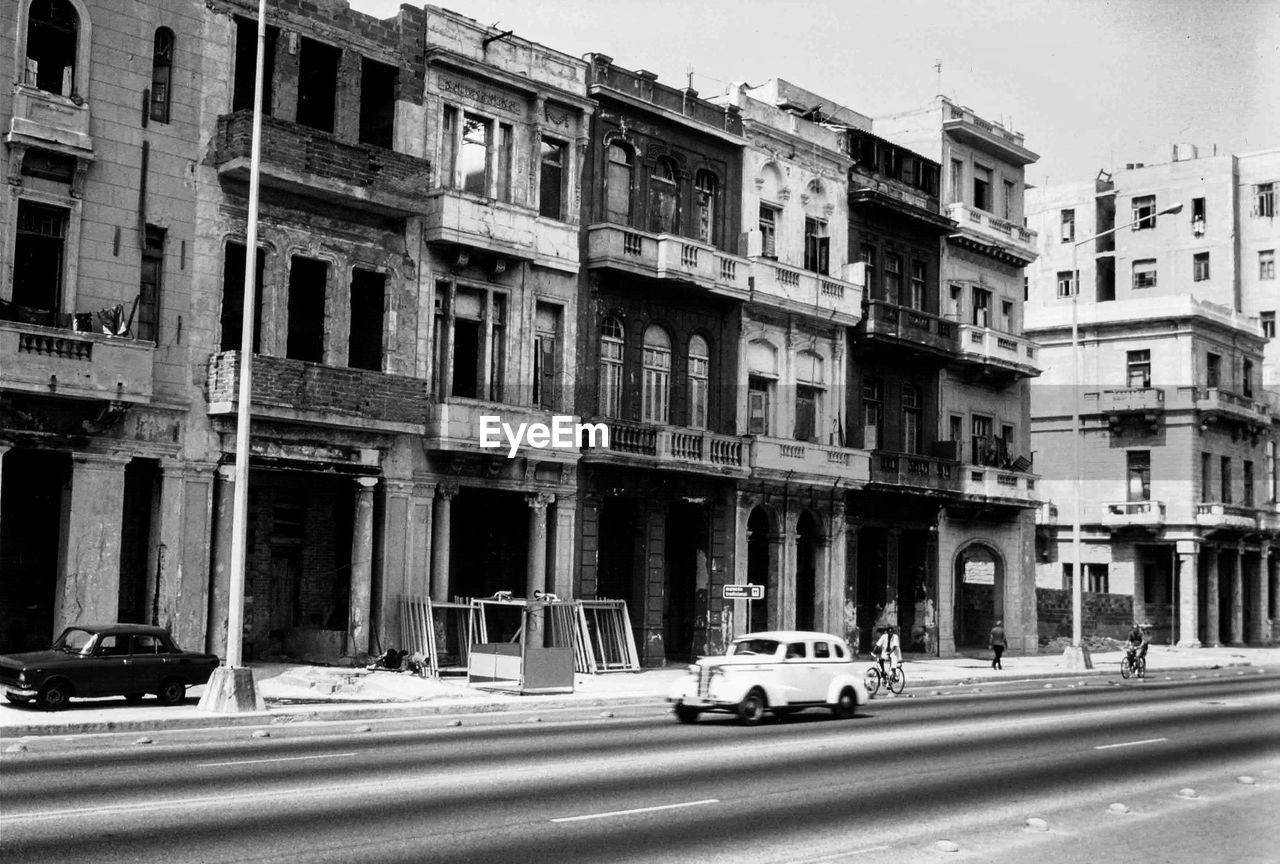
{"x": 1130, "y": 743}
{"x": 275, "y": 759}
{"x": 839, "y": 855}
{"x": 637, "y": 810}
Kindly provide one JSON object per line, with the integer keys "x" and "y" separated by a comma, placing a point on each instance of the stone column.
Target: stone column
{"x": 1188, "y": 596}
{"x": 564, "y": 523}
{"x": 1237, "y": 599}
{"x": 1212, "y": 639}
{"x": 1260, "y": 625}
{"x": 536, "y": 566}
{"x": 737, "y": 609}
{"x": 851, "y": 627}
{"x": 442, "y": 524}
{"x": 786, "y": 589}
{"x": 418, "y": 575}
{"x": 164, "y": 558}
{"x": 360, "y": 596}
{"x": 391, "y": 578}
{"x": 831, "y": 617}
{"x": 220, "y": 581}
{"x": 88, "y": 581}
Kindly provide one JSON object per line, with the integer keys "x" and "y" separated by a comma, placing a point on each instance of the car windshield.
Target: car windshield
{"x": 74, "y": 640}
{"x": 768, "y": 647}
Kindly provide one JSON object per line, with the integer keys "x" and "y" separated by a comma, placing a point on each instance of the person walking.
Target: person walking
{"x": 998, "y": 644}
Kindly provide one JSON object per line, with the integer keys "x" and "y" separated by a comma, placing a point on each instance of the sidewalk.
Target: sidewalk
{"x": 297, "y": 693}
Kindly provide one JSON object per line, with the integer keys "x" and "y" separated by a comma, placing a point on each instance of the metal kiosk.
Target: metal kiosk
{"x": 529, "y": 661}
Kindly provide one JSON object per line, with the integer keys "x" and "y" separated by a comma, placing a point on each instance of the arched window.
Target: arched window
{"x": 53, "y": 33}
{"x": 611, "y": 345}
{"x": 699, "y": 363}
{"x": 708, "y": 185}
{"x": 664, "y": 207}
{"x": 161, "y": 75}
{"x": 656, "y": 389}
{"x": 618, "y": 182}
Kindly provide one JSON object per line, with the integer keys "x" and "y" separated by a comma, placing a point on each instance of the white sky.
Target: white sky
{"x": 1090, "y": 83}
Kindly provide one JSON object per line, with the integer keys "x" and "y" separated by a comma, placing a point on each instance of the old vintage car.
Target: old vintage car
{"x": 780, "y": 672}
{"x": 129, "y": 660}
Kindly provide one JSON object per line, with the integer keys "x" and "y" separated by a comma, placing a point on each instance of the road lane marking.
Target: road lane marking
{"x": 839, "y": 855}
{"x": 275, "y": 759}
{"x": 1130, "y": 743}
{"x": 637, "y": 810}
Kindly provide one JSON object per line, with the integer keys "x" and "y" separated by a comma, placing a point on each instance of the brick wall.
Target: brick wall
{"x": 1101, "y": 614}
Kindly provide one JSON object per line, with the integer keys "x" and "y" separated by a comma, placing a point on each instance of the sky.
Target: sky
{"x": 1091, "y": 84}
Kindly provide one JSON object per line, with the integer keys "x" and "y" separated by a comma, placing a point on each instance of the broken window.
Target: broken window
{"x": 505, "y": 137}
{"x": 1225, "y": 477}
{"x": 246, "y": 64}
{"x": 982, "y": 441}
{"x": 368, "y": 299}
{"x": 308, "y": 284}
{"x": 477, "y": 342}
{"x": 39, "y": 256}
{"x": 809, "y": 385}
{"x": 148, "y": 323}
{"x": 317, "y": 83}
{"x": 817, "y": 245}
{"x": 708, "y": 187}
{"x": 611, "y": 347}
{"x": 656, "y": 386}
{"x": 551, "y": 179}
{"x": 981, "y": 307}
{"x": 232, "y": 318}
{"x": 53, "y": 33}
{"x": 699, "y": 363}
{"x": 618, "y": 186}
{"x": 161, "y": 75}
{"x": 664, "y": 207}
{"x": 1246, "y": 378}
{"x": 476, "y": 135}
{"x": 377, "y": 103}
{"x": 546, "y": 356}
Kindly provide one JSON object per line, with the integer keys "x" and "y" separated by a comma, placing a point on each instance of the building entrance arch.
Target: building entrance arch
{"x": 979, "y": 593}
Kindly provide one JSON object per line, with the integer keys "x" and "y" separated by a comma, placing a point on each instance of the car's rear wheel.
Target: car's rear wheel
{"x": 172, "y": 692}
{"x": 134, "y": 697}
{"x": 687, "y": 714}
{"x": 752, "y": 707}
{"x": 846, "y": 704}
{"x": 54, "y": 696}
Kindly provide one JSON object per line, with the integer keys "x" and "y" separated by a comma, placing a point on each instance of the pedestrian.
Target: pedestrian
{"x": 998, "y": 644}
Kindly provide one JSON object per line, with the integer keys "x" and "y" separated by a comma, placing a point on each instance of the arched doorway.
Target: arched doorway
{"x": 759, "y": 540}
{"x": 806, "y": 570}
{"x": 979, "y": 593}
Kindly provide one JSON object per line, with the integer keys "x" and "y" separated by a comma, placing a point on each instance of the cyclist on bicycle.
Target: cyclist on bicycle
{"x": 888, "y": 649}
{"x": 1137, "y": 643}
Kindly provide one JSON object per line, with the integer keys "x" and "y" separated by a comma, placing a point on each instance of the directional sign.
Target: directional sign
{"x": 743, "y": 592}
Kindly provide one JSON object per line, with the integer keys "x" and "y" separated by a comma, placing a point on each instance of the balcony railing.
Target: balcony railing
{"x": 912, "y": 326}
{"x": 310, "y": 393}
{"x": 1143, "y": 400}
{"x": 912, "y": 471}
{"x": 1221, "y": 515}
{"x": 1013, "y": 238}
{"x": 309, "y": 163}
{"x": 56, "y": 362}
{"x": 1120, "y": 514}
{"x": 666, "y": 256}
{"x": 51, "y": 120}
{"x": 463, "y": 219}
{"x": 780, "y": 456}
{"x": 672, "y": 446}
{"x": 797, "y": 290}
{"x": 992, "y": 347}
{"x": 995, "y": 484}
{"x": 1224, "y": 403}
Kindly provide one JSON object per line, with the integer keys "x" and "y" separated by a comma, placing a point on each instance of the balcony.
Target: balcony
{"x": 665, "y": 256}
{"x": 1216, "y": 402}
{"x": 1133, "y": 514}
{"x": 50, "y": 121}
{"x": 1219, "y": 515}
{"x": 51, "y": 361}
{"x": 988, "y": 347}
{"x": 997, "y": 485}
{"x": 300, "y": 392}
{"x": 991, "y": 235}
{"x": 1269, "y": 520}
{"x": 793, "y": 289}
{"x": 674, "y": 448}
{"x": 914, "y": 473}
{"x": 496, "y": 227}
{"x": 910, "y": 327}
{"x": 963, "y": 125}
{"x": 307, "y": 163}
{"x": 454, "y": 424}
{"x": 1047, "y": 513}
{"x": 803, "y": 461}
{"x": 1130, "y": 400}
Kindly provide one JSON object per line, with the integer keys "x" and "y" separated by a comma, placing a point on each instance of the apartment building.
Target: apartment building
{"x": 1177, "y": 410}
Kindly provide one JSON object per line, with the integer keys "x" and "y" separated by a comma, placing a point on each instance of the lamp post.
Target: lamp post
{"x": 1077, "y": 656}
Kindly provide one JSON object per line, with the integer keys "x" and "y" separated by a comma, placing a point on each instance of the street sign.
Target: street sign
{"x": 743, "y": 592}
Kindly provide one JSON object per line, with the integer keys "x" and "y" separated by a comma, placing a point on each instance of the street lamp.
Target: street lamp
{"x": 1077, "y": 656}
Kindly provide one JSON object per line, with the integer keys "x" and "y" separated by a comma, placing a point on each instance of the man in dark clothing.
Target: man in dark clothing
{"x": 998, "y": 644}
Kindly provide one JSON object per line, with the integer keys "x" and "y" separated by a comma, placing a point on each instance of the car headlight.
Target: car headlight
{"x": 693, "y": 669}
{"x": 22, "y": 678}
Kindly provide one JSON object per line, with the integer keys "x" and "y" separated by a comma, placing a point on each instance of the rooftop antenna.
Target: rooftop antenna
{"x": 689, "y": 73}
{"x": 937, "y": 67}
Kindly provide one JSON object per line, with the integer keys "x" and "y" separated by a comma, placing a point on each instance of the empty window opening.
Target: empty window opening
{"x": 246, "y": 63}
{"x": 233, "y": 264}
{"x": 477, "y": 343}
{"x": 1068, "y": 226}
{"x": 809, "y": 385}
{"x": 1213, "y": 370}
{"x": 53, "y": 32}
{"x": 506, "y": 136}
{"x": 161, "y": 75}
{"x": 377, "y": 103}
{"x": 817, "y": 246}
{"x": 476, "y": 135}
{"x": 982, "y": 441}
{"x": 39, "y": 256}
{"x": 618, "y": 185}
{"x": 981, "y": 307}
{"x": 466, "y": 358}
{"x": 981, "y": 187}
{"x": 368, "y": 301}
{"x": 708, "y": 188}
{"x": 1246, "y": 477}
{"x": 317, "y": 84}
{"x": 1139, "y": 475}
{"x": 1144, "y": 212}
{"x": 1225, "y": 477}
{"x": 308, "y": 285}
{"x": 1066, "y": 283}
{"x": 1009, "y": 203}
{"x": 546, "y": 356}
{"x": 664, "y": 208}
{"x": 1197, "y": 216}
{"x": 551, "y": 179}
{"x": 1246, "y": 378}
{"x": 147, "y": 321}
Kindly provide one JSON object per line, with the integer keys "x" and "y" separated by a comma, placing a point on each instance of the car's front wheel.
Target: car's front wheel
{"x": 846, "y": 704}
{"x": 687, "y": 714}
{"x": 172, "y": 692}
{"x": 752, "y": 707}
{"x": 54, "y": 696}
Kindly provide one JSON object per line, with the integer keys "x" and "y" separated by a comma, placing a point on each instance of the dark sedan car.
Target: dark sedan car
{"x": 129, "y": 660}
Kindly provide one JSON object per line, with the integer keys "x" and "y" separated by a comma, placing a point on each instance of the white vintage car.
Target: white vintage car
{"x": 780, "y": 671}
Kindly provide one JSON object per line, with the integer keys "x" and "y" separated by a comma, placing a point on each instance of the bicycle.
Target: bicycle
{"x": 875, "y": 677}
{"x": 1133, "y": 665}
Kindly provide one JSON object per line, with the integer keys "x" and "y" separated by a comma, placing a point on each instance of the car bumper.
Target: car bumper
{"x": 20, "y": 693}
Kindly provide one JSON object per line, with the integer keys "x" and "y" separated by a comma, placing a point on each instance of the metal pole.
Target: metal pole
{"x": 1077, "y": 597}
{"x": 240, "y": 501}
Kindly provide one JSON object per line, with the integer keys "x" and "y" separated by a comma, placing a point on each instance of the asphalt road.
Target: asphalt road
{"x": 906, "y": 780}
